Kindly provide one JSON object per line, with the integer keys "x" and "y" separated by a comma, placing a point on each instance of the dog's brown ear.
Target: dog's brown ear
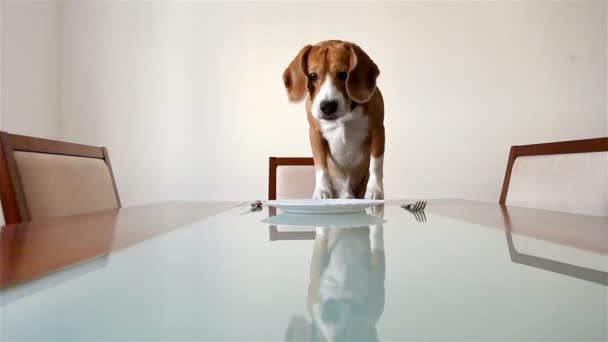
{"x": 361, "y": 81}
{"x": 295, "y": 78}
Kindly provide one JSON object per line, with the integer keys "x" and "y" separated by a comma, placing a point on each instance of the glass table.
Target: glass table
{"x": 464, "y": 271}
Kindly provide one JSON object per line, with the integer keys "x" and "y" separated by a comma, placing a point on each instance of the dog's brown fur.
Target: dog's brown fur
{"x": 330, "y": 58}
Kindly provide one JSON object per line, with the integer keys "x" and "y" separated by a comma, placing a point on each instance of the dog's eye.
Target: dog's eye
{"x": 312, "y": 76}
{"x": 342, "y": 75}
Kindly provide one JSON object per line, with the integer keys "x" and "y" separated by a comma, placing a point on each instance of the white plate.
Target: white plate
{"x": 323, "y": 206}
{"x": 301, "y": 221}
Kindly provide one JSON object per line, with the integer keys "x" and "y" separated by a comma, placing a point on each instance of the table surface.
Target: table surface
{"x": 214, "y": 271}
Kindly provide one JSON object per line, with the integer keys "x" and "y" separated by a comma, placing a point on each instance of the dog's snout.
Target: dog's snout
{"x": 329, "y": 107}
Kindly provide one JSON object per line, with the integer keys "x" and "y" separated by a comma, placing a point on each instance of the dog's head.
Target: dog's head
{"x": 335, "y": 74}
{"x": 342, "y": 320}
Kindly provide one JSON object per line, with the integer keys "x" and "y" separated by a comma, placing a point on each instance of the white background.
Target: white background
{"x": 189, "y": 99}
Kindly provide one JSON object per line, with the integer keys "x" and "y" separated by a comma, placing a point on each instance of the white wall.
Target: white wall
{"x": 29, "y": 76}
{"x": 189, "y": 98}
{"x": 29, "y": 69}
{"x": 190, "y": 101}
{"x": 115, "y": 90}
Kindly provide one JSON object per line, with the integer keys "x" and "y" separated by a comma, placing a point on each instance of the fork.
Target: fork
{"x": 417, "y": 206}
{"x": 416, "y": 209}
{"x": 255, "y": 207}
{"x": 419, "y": 215}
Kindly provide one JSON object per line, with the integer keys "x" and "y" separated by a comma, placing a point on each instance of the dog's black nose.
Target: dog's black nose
{"x": 329, "y": 107}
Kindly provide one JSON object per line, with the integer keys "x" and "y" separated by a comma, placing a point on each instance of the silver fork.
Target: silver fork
{"x": 419, "y": 215}
{"x": 255, "y": 207}
{"x": 416, "y": 209}
{"x": 417, "y": 206}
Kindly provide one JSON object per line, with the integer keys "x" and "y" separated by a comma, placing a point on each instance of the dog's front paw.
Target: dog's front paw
{"x": 377, "y": 211}
{"x": 374, "y": 191}
{"x": 376, "y": 237}
{"x": 322, "y": 192}
{"x": 323, "y": 187}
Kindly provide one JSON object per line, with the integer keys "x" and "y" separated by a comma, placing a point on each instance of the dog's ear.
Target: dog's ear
{"x": 362, "y": 74}
{"x": 295, "y": 78}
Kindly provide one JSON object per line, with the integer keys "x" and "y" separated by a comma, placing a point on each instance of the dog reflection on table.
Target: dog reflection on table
{"x": 346, "y": 291}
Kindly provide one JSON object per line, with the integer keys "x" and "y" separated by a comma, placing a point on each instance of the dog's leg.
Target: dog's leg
{"x": 323, "y": 188}
{"x": 378, "y": 274}
{"x": 376, "y": 234}
{"x": 323, "y": 185}
{"x": 320, "y": 257}
{"x": 375, "y": 185}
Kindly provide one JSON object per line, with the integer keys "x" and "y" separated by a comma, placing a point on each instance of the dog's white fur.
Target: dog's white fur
{"x": 327, "y": 93}
{"x": 323, "y": 188}
{"x": 351, "y": 274}
{"x": 375, "y": 184}
{"x": 345, "y": 136}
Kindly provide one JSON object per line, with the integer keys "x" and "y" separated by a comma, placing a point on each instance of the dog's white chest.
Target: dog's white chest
{"x": 345, "y": 137}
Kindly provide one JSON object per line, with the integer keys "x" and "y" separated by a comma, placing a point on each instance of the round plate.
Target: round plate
{"x": 323, "y": 206}
{"x": 359, "y": 219}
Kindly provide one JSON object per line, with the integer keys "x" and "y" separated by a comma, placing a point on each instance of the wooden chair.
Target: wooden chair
{"x": 290, "y": 178}
{"x": 42, "y": 178}
{"x": 568, "y": 176}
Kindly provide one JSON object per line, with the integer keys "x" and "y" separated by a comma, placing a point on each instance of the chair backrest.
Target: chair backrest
{"x": 291, "y": 178}
{"x": 569, "y": 176}
{"x": 41, "y": 178}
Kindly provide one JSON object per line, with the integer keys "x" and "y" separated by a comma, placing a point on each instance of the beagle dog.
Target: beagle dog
{"x": 346, "y": 117}
{"x": 346, "y": 293}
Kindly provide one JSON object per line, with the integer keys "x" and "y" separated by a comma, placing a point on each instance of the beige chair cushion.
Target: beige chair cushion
{"x": 576, "y": 183}
{"x": 58, "y": 185}
{"x": 295, "y": 181}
